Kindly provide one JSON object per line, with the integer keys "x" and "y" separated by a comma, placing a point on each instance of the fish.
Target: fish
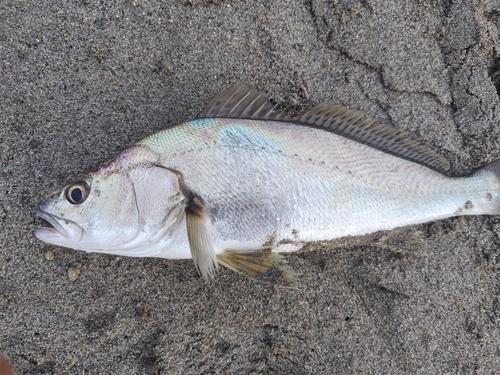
{"x": 244, "y": 183}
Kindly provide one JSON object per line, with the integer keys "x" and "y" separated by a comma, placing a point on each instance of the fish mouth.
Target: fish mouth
{"x": 60, "y": 232}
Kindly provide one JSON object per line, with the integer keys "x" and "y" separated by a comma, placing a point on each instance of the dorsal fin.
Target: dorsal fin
{"x": 244, "y": 102}
{"x": 241, "y": 101}
{"x": 354, "y": 125}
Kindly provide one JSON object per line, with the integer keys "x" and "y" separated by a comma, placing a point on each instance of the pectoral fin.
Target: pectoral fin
{"x": 200, "y": 243}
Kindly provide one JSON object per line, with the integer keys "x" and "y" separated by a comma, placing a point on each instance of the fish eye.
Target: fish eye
{"x": 78, "y": 192}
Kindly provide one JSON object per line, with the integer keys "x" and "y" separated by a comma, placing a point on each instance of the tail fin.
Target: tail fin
{"x": 491, "y": 175}
{"x": 492, "y": 167}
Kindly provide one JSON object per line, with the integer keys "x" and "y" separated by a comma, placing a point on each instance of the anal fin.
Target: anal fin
{"x": 254, "y": 262}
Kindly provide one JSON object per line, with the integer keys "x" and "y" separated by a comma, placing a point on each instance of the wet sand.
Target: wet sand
{"x": 82, "y": 80}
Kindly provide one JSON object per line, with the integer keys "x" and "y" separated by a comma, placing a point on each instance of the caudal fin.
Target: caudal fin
{"x": 491, "y": 175}
{"x": 492, "y": 167}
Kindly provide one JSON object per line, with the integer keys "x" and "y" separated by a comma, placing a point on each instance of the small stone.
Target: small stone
{"x": 73, "y": 273}
{"x": 49, "y": 255}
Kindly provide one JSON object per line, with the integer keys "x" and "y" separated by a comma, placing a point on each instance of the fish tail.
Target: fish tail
{"x": 491, "y": 175}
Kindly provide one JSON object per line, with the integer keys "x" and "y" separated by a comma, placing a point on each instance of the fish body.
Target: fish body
{"x": 280, "y": 184}
{"x": 215, "y": 189}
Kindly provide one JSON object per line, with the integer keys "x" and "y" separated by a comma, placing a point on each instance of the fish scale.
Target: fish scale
{"x": 324, "y": 185}
{"x": 238, "y": 191}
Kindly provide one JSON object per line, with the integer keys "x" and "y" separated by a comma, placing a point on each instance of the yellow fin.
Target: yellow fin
{"x": 254, "y": 263}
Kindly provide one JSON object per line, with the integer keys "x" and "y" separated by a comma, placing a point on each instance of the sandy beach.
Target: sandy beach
{"x": 82, "y": 80}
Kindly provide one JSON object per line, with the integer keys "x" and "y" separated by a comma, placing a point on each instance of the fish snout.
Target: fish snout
{"x": 61, "y": 230}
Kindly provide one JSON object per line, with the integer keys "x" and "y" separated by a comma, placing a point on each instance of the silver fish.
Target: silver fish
{"x": 245, "y": 182}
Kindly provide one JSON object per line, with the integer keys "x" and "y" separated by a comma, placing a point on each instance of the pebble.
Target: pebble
{"x": 49, "y": 255}
{"x": 73, "y": 273}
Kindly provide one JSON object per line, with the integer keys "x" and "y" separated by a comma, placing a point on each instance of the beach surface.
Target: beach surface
{"x": 82, "y": 80}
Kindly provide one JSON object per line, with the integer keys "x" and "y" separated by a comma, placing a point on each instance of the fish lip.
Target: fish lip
{"x": 57, "y": 231}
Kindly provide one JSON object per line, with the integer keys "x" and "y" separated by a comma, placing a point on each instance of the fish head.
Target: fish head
{"x": 124, "y": 208}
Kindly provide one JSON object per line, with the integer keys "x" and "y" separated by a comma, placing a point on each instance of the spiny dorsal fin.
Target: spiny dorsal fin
{"x": 354, "y": 125}
{"x": 244, "y": 102}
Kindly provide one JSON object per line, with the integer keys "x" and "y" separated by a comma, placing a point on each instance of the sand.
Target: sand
{"x": 81, "y": 80}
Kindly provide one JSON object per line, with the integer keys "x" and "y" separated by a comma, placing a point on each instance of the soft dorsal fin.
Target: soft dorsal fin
{"x": 354, "y": 125}
{"x": 244, "y": 102}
